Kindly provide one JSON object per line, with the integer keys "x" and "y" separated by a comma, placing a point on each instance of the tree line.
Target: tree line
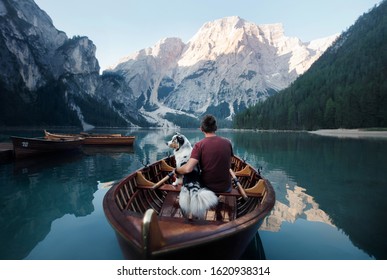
{"x": 345, "y": 88}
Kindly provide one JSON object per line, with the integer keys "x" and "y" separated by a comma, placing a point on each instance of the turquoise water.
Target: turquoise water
{"x": 330, "y": 194}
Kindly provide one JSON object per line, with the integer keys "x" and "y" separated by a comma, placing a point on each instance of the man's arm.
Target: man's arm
{"x": 188, "y": 167}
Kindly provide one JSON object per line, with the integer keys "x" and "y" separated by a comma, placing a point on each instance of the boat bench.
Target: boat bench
{"x": 171, "y": 188}
{"x": 225, "y": 211}
{"x": 258, "y": 190}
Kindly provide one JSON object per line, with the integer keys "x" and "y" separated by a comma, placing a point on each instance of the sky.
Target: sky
{"x": 121, "y": 27}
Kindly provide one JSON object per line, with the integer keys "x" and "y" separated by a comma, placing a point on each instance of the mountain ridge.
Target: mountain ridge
{"x": 228, "y": 65}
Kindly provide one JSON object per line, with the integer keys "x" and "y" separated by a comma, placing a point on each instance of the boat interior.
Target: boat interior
{"x": 138, "y": 193}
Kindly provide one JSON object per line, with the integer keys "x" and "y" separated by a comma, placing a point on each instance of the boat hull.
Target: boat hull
{"x": 127, "y": 203}
{"x": 227, "y": 247}
{"x": 113, "y": 141}
{"x": 26, "y": 147}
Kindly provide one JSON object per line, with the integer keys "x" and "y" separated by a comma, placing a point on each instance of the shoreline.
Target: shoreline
{"x": 350, "y": 133}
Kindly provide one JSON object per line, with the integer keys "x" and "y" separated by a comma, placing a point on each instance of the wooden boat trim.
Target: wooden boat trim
{"x": 142, "y": 181}
{"x": 166, "y": 167}
{"x": 152, "y": 236}
{"x": 246, "y": 171}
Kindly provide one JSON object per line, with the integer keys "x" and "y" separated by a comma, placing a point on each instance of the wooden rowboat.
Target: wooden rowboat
{"x": 61, "y": 136}
{"x": 149, "y": 224}
{"x": 95, "y": 139}
{"x": 24, "y": 147}
{"x": 109, "y": 140}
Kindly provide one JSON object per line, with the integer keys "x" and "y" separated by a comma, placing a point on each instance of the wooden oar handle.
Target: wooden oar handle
{"x": 238, "y": 184}
{"x": 162, "y": 181}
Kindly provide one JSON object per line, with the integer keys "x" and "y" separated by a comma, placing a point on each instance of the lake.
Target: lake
{"x": 331, "y": 195}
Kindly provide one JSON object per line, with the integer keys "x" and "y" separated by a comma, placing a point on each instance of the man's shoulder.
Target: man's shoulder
{"x": 222, "y": 139}
{"x": 215, "y": 140}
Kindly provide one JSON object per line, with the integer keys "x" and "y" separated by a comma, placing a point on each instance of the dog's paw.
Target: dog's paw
{"x": 177, "y": 182}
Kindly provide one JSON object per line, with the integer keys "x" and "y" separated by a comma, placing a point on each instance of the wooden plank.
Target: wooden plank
{"x": 171, "y": 206}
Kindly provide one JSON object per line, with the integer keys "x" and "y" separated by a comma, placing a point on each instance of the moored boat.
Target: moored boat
{"x": 60, "y": 136}
{"x": 95, "y": 139}
{"x": 109, "y": 140}
{"x": 24, "y": 147}
{"x": 150, "y": 225}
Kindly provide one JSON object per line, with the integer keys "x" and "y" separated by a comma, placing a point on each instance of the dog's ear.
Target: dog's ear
{"x": 180, "y": 139}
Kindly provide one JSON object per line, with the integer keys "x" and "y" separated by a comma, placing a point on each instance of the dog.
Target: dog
{"x": 194, "y": 199}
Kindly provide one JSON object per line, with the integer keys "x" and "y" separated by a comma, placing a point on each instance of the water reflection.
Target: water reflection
{"x": 346, "y": 177}
{"x": 299, "y": 206}
{"x": 114, "y": 151}
{"x": 31, "y": 165}
{"x": 36, "y": 197}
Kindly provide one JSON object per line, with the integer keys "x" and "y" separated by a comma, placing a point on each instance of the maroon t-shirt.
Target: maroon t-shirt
{"x": 214, "y": 156}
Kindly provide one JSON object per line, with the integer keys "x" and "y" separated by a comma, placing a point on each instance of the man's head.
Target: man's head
{"x": 208, "y": 124}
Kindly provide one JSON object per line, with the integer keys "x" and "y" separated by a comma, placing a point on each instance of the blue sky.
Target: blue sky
{"x": 121, "y": 27}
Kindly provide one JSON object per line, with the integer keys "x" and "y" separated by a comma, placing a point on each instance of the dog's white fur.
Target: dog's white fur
{"x": 194, "y": 200}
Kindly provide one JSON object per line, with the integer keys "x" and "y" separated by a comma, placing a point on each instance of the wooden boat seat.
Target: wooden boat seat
{"x": 170, "y": 206}
{"x": 256, "y": 191}
{"x": 225, "y": 211}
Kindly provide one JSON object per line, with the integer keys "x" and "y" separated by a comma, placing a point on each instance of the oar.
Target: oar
{"x": 238, "y": 184}
{"x": 162, "y": 181}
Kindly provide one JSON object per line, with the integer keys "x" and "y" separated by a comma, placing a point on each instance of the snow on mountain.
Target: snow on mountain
{"x": 227, "y": 65}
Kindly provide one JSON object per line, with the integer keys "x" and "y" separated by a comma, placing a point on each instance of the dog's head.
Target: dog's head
{"x": 178, "y": 141}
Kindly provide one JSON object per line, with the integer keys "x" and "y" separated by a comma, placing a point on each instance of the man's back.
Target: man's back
{"x": 214, "y": 156}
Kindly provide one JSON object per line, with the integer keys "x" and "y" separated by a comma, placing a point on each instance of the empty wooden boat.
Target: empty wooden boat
{"x": 149, "y": 224}
{"x": 95, "y": 139}
{"x": 61, "y": 136}
{"x": 109, "y": 140}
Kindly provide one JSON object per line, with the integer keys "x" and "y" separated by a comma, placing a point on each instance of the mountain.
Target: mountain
{"x": 228, "y": 65}
{"x": 345, "y": 88}
{"x": 47, "y": 78}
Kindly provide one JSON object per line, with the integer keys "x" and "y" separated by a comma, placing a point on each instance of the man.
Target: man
{"x": 213, "y": 154}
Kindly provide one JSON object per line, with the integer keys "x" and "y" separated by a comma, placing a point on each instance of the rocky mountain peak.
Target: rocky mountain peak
{"x": 45, "y": 77}
{"x": 227, "y": 65}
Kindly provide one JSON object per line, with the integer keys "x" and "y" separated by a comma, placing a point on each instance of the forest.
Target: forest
{"x": 345, "y": 88}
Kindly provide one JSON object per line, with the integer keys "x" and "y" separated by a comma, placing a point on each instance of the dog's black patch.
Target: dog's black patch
{"x": 192, "y": 178}
{"x": 180, "y": 140}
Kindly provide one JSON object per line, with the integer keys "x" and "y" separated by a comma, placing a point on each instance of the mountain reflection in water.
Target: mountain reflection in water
{"x": 300, "y": 205}
{"x": 42, "y": 192}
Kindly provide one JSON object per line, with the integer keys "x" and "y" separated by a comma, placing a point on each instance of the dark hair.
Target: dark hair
{"x": 208, "y": 124}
